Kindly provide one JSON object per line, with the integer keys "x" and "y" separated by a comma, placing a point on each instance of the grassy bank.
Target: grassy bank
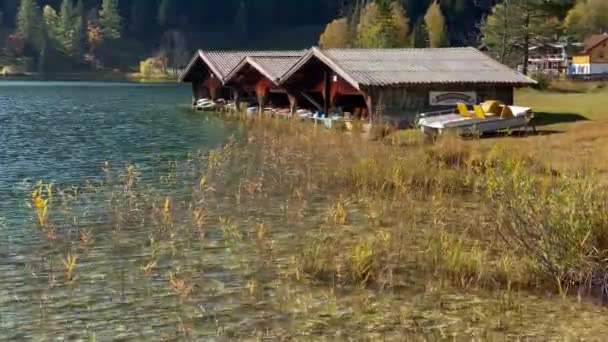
{"x": 567, "y": 102}
{"x": 572, "y": 126}
{"x": 321, "y": 233}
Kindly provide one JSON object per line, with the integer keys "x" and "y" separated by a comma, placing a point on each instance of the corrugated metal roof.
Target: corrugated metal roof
{"x": 222, "y": 62}
{"x": 273, "y": 67}
{"x": 389, "y": 67}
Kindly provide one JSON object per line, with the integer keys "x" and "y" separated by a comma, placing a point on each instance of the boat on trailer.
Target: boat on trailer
{"x": 488, "y": 117}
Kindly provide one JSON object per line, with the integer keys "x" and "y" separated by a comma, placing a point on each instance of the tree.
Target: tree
{"x": 241, "y": 22}
{"x": 513, "y": 25}
{"x": 68, "y": 26}
{"x": 368, "y": 27}
{"x": 80, "y": 30}
{"x": 94, "y": 37}
{"x": 173, "y": 49}
{"x": 29, "y": 24}
{"x": 420, "y": 35}
{"x": 500, "y": 32}
{"x": 51, "y": 23}
{"x": 110, "y": 20}
{"x": 42, "y": 62}
{"x": 153, "y": 67}
{"x": 15, "y": 44}
{"x": 335, "y": 35}
{"x": 587, "y": 17}
{"x": 435, "y": 22}
{"x": 401, "y": 25}
{"x": 374, "y": 29}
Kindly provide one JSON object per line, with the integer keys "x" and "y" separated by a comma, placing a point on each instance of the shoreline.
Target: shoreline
{"x": 87, "y": 76}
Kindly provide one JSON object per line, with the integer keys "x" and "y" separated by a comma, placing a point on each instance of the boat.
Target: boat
{"x": 253, "y": 110}
{"x": 205, "y": 104}
{"x": 488, "y": 117}
{"x": 304, "y": 113}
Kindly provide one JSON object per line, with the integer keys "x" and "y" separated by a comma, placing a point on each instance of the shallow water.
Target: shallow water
{"x": 64, "y": 131}
{"x": 139, "y": 248}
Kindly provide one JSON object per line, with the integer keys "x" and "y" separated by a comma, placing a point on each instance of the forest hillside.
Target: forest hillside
{"x": 153, "y": 35}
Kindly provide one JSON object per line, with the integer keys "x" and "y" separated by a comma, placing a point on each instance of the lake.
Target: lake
{"x": 63, "y": 132}
{"x": 154, "y": 222}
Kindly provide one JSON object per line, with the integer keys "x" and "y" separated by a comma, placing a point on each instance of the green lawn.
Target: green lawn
{"x": 562, "y": 107}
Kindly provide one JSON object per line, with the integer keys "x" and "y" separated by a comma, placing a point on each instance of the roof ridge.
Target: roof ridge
{"x": 252, "y": 50}
{"x": 401, "y": 49}
{"x": 274, "y": 56}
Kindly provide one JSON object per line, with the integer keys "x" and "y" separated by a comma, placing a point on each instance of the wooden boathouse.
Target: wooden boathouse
{"x": 377, "y": 84}
{"x": 208, "y": 69}
{"x": 397, "y": 84}
{"x": 259, "y": 75}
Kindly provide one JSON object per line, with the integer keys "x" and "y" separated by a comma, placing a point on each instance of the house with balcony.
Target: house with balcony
{"x": 552, "y": 58}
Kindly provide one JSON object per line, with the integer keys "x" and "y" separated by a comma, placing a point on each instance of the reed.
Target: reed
{"x": 331, "y": 231}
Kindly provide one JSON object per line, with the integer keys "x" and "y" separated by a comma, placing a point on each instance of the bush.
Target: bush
{"x": 560, "y": 222}
{"x": 153, "y": 68}
{"x": 543, "y": 80}
{"x": 12, "y": 70}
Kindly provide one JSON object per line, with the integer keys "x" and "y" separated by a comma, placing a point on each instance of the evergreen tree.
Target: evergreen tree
{"x": 513, "y": 25}
{"x": 353, "y": 17}
{"x": 435, "y": 22}
{"x": 500, "y": 31}
{"x": 29, "y": 24}
{"x": 110, "y": 20}
{"x": 373, "y": 29}
{"x": 420, "y": 35}
{"x": 80, "y": 30}
{"x": 52, "y": 25}
{"x": 42, "y": 62}
{"x": 67, "y": 26}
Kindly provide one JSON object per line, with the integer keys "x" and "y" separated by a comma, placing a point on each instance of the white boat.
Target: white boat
{"x": 304, "y": 113}
{"x": 490, "y": 116}
{"x": 205, "y": 104}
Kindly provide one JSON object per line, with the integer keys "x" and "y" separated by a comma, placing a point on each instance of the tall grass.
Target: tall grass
{"x": 286, "y": 206}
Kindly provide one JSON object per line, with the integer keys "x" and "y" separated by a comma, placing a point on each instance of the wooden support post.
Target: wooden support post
{"x": 293, "y": 103}
{"x": 369, "y": 101}
{"x": 236, "y": 97}
{"x": 327, "y": 92}
{"x": 213, "y": 91}
{"x": 261, "y": 100}
{"x": 194, "y": 93}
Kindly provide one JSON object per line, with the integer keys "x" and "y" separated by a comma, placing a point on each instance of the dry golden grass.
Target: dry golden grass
{"x": 566, "y": 147}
